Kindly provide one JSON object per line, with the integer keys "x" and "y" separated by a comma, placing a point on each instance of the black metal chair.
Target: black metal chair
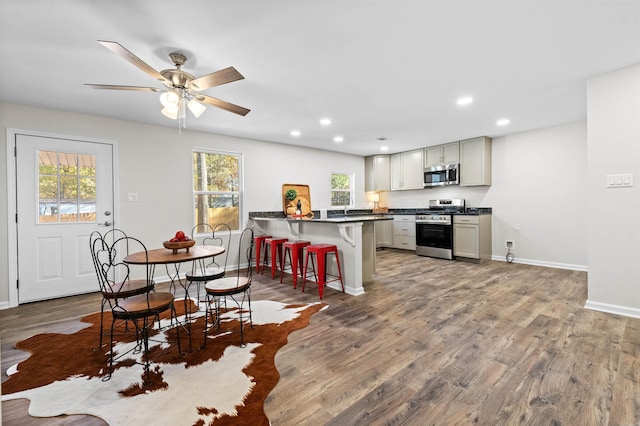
{"x": 142, "y": 310}
{"x": 236, "y": 288}
{"x": 120, "y": 290}
{"x": 202, "y": 272}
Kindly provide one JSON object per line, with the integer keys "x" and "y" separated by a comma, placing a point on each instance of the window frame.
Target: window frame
{"x": 60, "y": 198}
{"x": 239, "y": 193}
{"x": 351, "y": 190}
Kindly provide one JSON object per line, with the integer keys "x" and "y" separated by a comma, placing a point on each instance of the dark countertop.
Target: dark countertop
{"x": 331, "y": 219}
{"x": 470, "y": 211}
{"x": 355, "y": 215}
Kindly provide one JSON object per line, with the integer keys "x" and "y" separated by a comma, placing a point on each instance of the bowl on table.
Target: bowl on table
{"x": 177, "y": 245}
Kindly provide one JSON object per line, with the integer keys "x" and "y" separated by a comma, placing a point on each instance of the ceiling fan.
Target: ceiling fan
{"x": 182, "y": 89}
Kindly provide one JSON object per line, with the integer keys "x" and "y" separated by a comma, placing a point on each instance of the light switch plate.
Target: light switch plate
{"x": 132, "y": 197}
{"x": 620, "y": 180}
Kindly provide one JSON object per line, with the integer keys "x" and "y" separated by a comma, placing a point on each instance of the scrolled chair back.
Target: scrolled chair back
{"x": 245, "y": 248}
{"x": 201, "y": 229}
{"x": 113, "y": 272}
{"x": 221, "y": 237}
{"x": 93, "y": 238}
{"x": 217, "y": 236}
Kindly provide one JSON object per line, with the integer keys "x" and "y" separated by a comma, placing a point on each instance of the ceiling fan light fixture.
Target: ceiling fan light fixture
{"x": 170, "y": 112}
{"x": 196, "y": 108}
{"x": 169, "y": 99}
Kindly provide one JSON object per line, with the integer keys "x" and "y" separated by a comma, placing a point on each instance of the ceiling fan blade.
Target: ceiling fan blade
{"x": 114, "y": 87}
{"x": 119, "y": 50}
{"x": 236, "y": 109}
{"x": 214, "y": 79}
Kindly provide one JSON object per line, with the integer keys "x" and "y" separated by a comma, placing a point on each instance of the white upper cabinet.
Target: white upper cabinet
{"x": 377, "y": 173}
{"x": 475, "y": 162}
{"x": 407, "y": 170}
{"x": 442, "y": 154}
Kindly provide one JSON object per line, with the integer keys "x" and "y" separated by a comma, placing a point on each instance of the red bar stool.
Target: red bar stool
{"x": 295, "y": 250}
{"x": 321, "y": 251}
{"x": 275, "y": 244}
{"x": 258, "y": 242}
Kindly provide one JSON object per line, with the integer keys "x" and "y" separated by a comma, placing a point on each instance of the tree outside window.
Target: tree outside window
{"x": 341, "y": 187}
{"x": 66, "y": 187}
{"x": 216, "y": 188}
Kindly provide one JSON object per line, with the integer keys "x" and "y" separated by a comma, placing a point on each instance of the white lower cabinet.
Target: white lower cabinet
{"x": 384, "y": 233}
{"x": 472, "y": 237}
{"x": 404, "y": 232}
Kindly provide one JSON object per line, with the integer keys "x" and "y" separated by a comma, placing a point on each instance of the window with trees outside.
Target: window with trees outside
{"x": 216, "y": 188}
{"x": 66, "y": 187}
{"x": 341, "y": 187}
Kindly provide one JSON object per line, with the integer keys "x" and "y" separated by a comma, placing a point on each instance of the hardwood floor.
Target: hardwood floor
{"x": 431, "y": 342}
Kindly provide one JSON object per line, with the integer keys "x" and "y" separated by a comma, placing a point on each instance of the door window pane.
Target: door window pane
{"x": 66, "y": 187}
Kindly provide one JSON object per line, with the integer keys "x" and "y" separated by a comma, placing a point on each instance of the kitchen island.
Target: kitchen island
{"x": 353, "y": 234}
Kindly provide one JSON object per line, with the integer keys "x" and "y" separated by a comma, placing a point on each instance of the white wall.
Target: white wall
{"x": 539, "y": 182}
{"x": 550, "y": 181}
{"x": 155, "y": 163}
{"x": 613, "y": 112}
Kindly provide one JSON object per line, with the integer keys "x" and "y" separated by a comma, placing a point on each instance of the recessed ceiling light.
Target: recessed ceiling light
{"x": 465, "y": 101}
{"x": 338, "y": 139}
{"x": 384, "y": 148}
{"x": 295, "y": 133}
{"x": 503, "y": 122}
{"x": 325, "y": 121}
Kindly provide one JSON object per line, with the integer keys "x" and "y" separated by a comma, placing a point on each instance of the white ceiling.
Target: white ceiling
{"x": 385, "y": 68}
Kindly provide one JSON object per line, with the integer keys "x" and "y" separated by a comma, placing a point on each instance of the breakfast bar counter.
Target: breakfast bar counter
{"x": 353, "y": 234}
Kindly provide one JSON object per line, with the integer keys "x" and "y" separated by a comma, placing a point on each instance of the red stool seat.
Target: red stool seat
{"x": 258, "y": 242}
{"x": 321, "y": 251}
{"x": 275, "y": 244}
{"x": 295, "y": 250}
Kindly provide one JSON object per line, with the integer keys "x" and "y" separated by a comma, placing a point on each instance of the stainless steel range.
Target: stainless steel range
{"x": 434, "y": 229}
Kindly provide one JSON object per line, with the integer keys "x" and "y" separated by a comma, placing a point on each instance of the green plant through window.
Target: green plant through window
{"x": 341, "y": 189}
{"x": 216, "y": 188}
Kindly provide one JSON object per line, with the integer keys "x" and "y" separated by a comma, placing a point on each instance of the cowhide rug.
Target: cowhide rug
{"x": 220, "y": 385}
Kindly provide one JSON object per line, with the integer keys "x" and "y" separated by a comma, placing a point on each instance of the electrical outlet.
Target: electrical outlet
{"x": 508, "y": 244}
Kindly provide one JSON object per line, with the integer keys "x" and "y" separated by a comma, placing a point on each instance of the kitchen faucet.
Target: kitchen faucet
{"x": 347, "y": 203}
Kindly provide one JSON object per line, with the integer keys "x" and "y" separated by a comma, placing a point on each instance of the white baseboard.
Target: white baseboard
{"x": 569, "y": 266}
{"x": 613, "y": 309}
{"x": 4, "y": 305}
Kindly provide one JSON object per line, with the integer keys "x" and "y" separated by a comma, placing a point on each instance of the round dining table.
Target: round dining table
{"x": 163, "y": 256}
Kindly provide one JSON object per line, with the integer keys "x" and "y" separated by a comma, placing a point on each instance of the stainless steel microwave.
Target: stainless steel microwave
{"x": 446, "y": 174}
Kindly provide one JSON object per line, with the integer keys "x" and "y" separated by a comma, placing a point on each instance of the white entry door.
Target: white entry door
{"x": 64, "y": 193}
